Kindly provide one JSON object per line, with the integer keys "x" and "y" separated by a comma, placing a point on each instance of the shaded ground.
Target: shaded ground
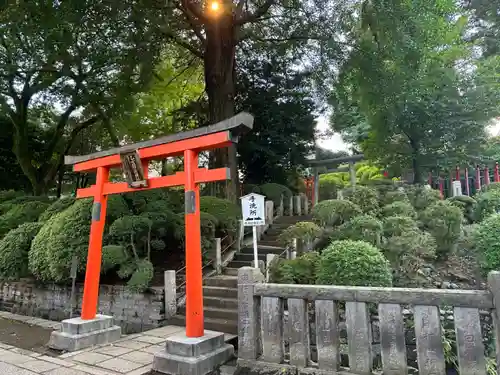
{"x": 24, "y": 336}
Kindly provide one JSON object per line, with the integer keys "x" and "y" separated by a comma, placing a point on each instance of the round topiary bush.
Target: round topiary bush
{"x": 466, "y": 204}
{"x": 274, "y": 192}
{"x": 365, "y": 197}
{"x": 56, "y": 207}
{"x": 301, "y": 270}
{"x": 335, "y": 212}
{"x": 21, "y": 213}
{"x": 487, "y": 243}
{"x": 304, "y": 230}
{"x": 488, "y": 203}
{"x": 398, "y": 225}
{"x": 329, "y": 185}
{"x": 360, "y": 228}
{"x": 225, "y": 212}
{"x": 355, "y": 263}
{"x": 399, "y": 209}
{"x": 444, "y": 221}
{"x": 14, "y": 248}
{"x": 422, "y": 197}
{"x": 392, "y": 196}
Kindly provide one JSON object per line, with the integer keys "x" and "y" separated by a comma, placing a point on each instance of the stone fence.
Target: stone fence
{"x": 275, "y": 331}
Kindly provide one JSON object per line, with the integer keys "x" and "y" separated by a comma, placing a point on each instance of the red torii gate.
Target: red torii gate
{"x": 135, "y": 159}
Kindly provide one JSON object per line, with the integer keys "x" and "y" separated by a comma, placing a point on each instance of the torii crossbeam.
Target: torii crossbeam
{"x": 134, "y": 159}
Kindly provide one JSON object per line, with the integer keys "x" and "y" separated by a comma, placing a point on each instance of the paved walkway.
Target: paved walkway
{"x": 131, "y": 355}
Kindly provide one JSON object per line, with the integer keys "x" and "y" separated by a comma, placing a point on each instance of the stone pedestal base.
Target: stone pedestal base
{"x": 79, "y": 334}
{"x": 193, "y": 356}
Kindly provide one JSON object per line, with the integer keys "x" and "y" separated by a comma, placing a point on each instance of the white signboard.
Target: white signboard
{"x": 253, "y": 209}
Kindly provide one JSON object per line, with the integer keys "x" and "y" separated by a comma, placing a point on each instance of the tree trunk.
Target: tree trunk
{"x": 219, "y": 62}
{"x": 415, "y": 162}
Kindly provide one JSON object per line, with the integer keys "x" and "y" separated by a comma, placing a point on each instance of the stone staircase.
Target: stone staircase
{"x": 220, "y": 293}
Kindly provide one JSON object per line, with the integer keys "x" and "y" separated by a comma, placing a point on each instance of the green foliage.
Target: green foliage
{"x": 355, "y": 263}
{"x": 304, "y": 230}
{"x": 14, "y": 248}
{"x": 399, "y": 209}
{"x": 20, "y": 214}
{"x": 301, "y": 270}
{"x": 329, "y": 186}
{"x": 444, "y": 222}
{"x": 490, "y": 187}
{"x": 365, "y": 197}
{"x": 224, "y": 211}
{"x": 117, "y": 207}
{"x": 466, "y": 204}
{"x": 113, "y": 256}
{"x": 487, "y": 243}
{"x": 275, "y": 192}
{"x": 251, "y": 188}
{"x": 334, "y": 212}
{"x": 56, "y": 207}
{"x": 399, "y": 225}
{"x": 148, "y": 200}
{"x": 360, "y": 228}
{"x": 422, "y": 197}
{"x": 8, "y": 195}
{"x": 141, "y": 277}
{"x": 62, "y": 236}
{"x": 393, "y": 196}
{"x": 487, "y": 204}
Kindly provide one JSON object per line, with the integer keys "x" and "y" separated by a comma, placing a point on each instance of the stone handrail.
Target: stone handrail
{"x": 273, "y": 340}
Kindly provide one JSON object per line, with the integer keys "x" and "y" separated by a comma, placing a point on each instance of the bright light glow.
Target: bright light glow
{"x": 214, "y": 6}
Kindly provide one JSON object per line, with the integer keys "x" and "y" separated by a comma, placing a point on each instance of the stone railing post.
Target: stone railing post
{"x": 291, "y": 210}
{"x": 170, "y": 294}
{"x": 305, "y": 202}
{"x": 298, "y": 206}
{"x": 248, "y": 313}
{"x": 281, "y": 209}
{"x": 241, "y": 234}
{"x": 269, "y": 212}
{"x": 269, "y": 260}
{"x": 218, "y": 256}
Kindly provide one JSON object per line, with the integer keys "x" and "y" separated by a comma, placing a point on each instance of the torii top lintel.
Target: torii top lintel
{"x": 219, "y": 135}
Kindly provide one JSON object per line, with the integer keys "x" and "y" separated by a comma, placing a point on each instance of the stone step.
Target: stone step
{"x": 248, "y": 257}
{"x": 274, "y": 239}
{"x": 269, "y": 243}
{"x": 218, "y": 325}
{"x": 239, "y": 264}
{"x": 217, "y": 291}
{"x": 220, "y": 303}
{"x": 292, "y": 219}
{"x": 231, "y": 271}
{"x": 263, "y": 250}
{"x": 214, "y": 313}
{"x": 222, "y": 281}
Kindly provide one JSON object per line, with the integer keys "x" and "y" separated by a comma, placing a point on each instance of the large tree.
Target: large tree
{"x": 215, "y": 30}
{"x": 66, "y": 66}
{"x": 414, "y": 81}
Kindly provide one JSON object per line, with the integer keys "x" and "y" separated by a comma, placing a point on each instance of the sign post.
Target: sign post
{"x": 253, "y": 210}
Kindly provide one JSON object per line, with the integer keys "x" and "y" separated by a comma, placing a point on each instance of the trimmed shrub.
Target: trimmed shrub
{"x": 274, "y": 192}
{"x": 398, "y": 225}
{"x": 487, "y": 204}
{"x": 360, "y": 228}
{"x": 225, "y": 212}
{"x": 251, "y": 188}
{"x": 487, "y": 243}
{"x": 335, "y": 212}
{"x": 466, "y": 204}
{"x": 139, "y": 200}
{"x": 422, "y": 197}
{"x": 304, "y": 230}
{"x": 14, "y": 248}
{"x": 355, "y": 263}
{"x": 62, "y": 236}
{"x": 365, "y": 197}
{"x": 399, "y": 209}
{"x": 142, "y": 276}
{"x": 444, "y": 221}
{"x": 329, "y": 185}
{"x": 56, "y": 207}
{"x": 19, "y": 214}
{"x": 301, "y": 270}
{"x": 393, "y": 196}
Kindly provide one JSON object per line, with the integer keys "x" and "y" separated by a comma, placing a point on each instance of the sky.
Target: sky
{"x": 335, "y": 142}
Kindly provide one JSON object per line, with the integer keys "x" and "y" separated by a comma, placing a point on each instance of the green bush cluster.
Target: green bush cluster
{"x": 354, "y": 263}
{"x": 21, "y": 213}
{"x": 334, "y": 212}
{"x": 444, "y": 221}
{"x": 56, "y": 207}
{"x": 14, "y": 249}
{"x": 362, "y": 228}
{"x": 304, "y": 230}
{"x": 329, "y": 186}
{"x": 365, "y": 197}
{"x": 487, "y": 243}
{"x": 421, "y": 197}
{"x": 388, "y": 197}
{"x": 488, "y": 203}
{"x": 301, "y": 270}
{"x": 399, "y": 208}
{"x": 398, "y": 225}
{"x": 225, "y": 212}
{"x": 466, "y": 204}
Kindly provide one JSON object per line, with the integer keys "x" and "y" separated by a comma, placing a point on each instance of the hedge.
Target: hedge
{"x": 21, "y": 213}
